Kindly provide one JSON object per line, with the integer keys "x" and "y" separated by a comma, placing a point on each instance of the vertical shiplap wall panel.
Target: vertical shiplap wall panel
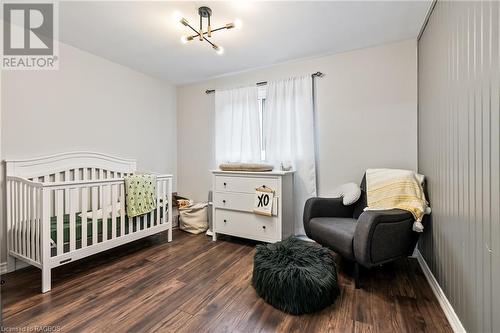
{"x": 459, "y": 152}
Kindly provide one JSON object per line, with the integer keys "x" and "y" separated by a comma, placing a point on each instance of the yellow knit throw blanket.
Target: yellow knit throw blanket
{"x": 393, "y": 188}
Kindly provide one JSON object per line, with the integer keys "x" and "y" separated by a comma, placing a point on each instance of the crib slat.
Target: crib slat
{"x": 113, "y": 212}
{"x": 24, "y": 225}
{"x": 14, "y": 216}
{"x": 72, "y": 221}
{"x": 34, "y": 213}
{"x": 93, "y": 199}
{"x": 168, "y": 211}
{"x": 26, "y": 221}
{"x": 105, "y": 212}
{"x": 65, "y": 175}
{"x": 94, "y": 214}
{"x": 38, "y": 223}
{"x": 33, "y": 222}
{"x": 60, "y": 221}
{"x": 9, "y": 215}
{"x": 122, "y": 210}
{"x": 29, "y": 219}
{"x": 84, "y": 208}
{"x": 18, "y": 217}
{"x": 83, "y": 223}
{"x": 164, "y": 196}
{"x": 10, "y": 220}
{"x": 23, "y": 219}
{"x": 158, "y": 202}
{"x": 59, "y": 206}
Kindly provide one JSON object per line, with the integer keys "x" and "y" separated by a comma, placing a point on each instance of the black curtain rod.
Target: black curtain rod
{"x": 313, "y": 75}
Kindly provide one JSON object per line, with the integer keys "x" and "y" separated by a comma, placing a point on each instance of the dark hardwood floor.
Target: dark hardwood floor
{"x": 196, "y": 285}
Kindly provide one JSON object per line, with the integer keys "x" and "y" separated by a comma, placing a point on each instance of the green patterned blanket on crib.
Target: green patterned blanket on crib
{"x": 140, "y": 194}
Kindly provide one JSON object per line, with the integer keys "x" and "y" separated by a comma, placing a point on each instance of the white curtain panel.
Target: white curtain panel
{"x": 237, "y": 125}
{"x": 289, "y": 132}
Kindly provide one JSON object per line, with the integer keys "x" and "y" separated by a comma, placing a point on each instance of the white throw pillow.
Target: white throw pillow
{"x": 349, "y": 193}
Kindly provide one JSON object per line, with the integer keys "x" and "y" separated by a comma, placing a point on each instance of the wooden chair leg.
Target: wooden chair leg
{"x": 357, "y": 282}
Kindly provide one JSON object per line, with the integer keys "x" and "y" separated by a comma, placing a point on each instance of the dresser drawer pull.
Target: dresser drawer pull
{"x": 264, "y": 227}
{"x": 225, "y": 184}
{"x": 225, "y": 221}
{"x": 223, "y": 201}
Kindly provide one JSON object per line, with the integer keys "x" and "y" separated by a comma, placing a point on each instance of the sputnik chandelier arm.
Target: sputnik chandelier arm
{"x": 206, "y": 12}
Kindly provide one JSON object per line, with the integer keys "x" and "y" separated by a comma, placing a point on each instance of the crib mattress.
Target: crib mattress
{"x": 135, "y": 223}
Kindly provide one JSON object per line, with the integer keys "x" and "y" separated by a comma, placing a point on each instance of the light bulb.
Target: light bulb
{"x": 177, "y": 16}
{"x": 184, "y": 40}
{"x": 238, "y": 24}
{"x": 218, "y": 49}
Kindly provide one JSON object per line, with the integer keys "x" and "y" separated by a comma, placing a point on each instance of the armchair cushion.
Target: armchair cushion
{"x": 381, "y": 236}
{"x": 324, "y": 207}
{"x": 336, "y": 233}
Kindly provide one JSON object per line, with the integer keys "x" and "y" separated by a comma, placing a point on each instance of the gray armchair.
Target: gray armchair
{"x": 368, "y": 238}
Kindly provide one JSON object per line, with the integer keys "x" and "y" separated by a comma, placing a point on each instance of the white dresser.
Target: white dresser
{"x": 233, "y": 203}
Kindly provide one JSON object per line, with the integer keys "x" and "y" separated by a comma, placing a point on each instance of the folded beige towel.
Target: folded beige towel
{"x": 253, "y": 167}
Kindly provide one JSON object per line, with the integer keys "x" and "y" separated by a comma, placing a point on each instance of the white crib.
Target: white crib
{"x": 65, "y": 207}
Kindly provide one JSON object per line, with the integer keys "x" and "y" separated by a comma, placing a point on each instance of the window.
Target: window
{"x": 262, "y": 109}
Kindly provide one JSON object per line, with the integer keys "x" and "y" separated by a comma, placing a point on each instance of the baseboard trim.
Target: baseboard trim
{"x": 445, "y": 304}
{"x": 3, "y": 268}
{"x": 19, "y": 264}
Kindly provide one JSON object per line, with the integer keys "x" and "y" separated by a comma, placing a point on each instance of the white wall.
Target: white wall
{"x": 88, "y": 104}
{"x": 366, "y": 111}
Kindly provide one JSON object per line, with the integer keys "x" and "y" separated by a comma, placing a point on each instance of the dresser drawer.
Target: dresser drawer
{"x": 244, "y": 184}
{"x": 239, "y": 201}
{"x": 247, "y": 225}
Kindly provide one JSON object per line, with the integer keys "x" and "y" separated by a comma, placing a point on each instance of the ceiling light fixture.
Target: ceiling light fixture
{"x": 201, "y": 35}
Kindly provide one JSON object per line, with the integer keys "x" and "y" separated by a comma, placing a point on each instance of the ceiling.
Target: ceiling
{"x": 145, "y": 36}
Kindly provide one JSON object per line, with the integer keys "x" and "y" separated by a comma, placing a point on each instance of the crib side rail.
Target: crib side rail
{"x": 24, "y": 219}
{"x": 86, "y": 215}
{"x": 54, "y": 223}
{"x": 85, "y": 183}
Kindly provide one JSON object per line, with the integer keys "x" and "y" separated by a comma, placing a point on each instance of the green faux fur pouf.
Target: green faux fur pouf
{"x": 295, "y": 276}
